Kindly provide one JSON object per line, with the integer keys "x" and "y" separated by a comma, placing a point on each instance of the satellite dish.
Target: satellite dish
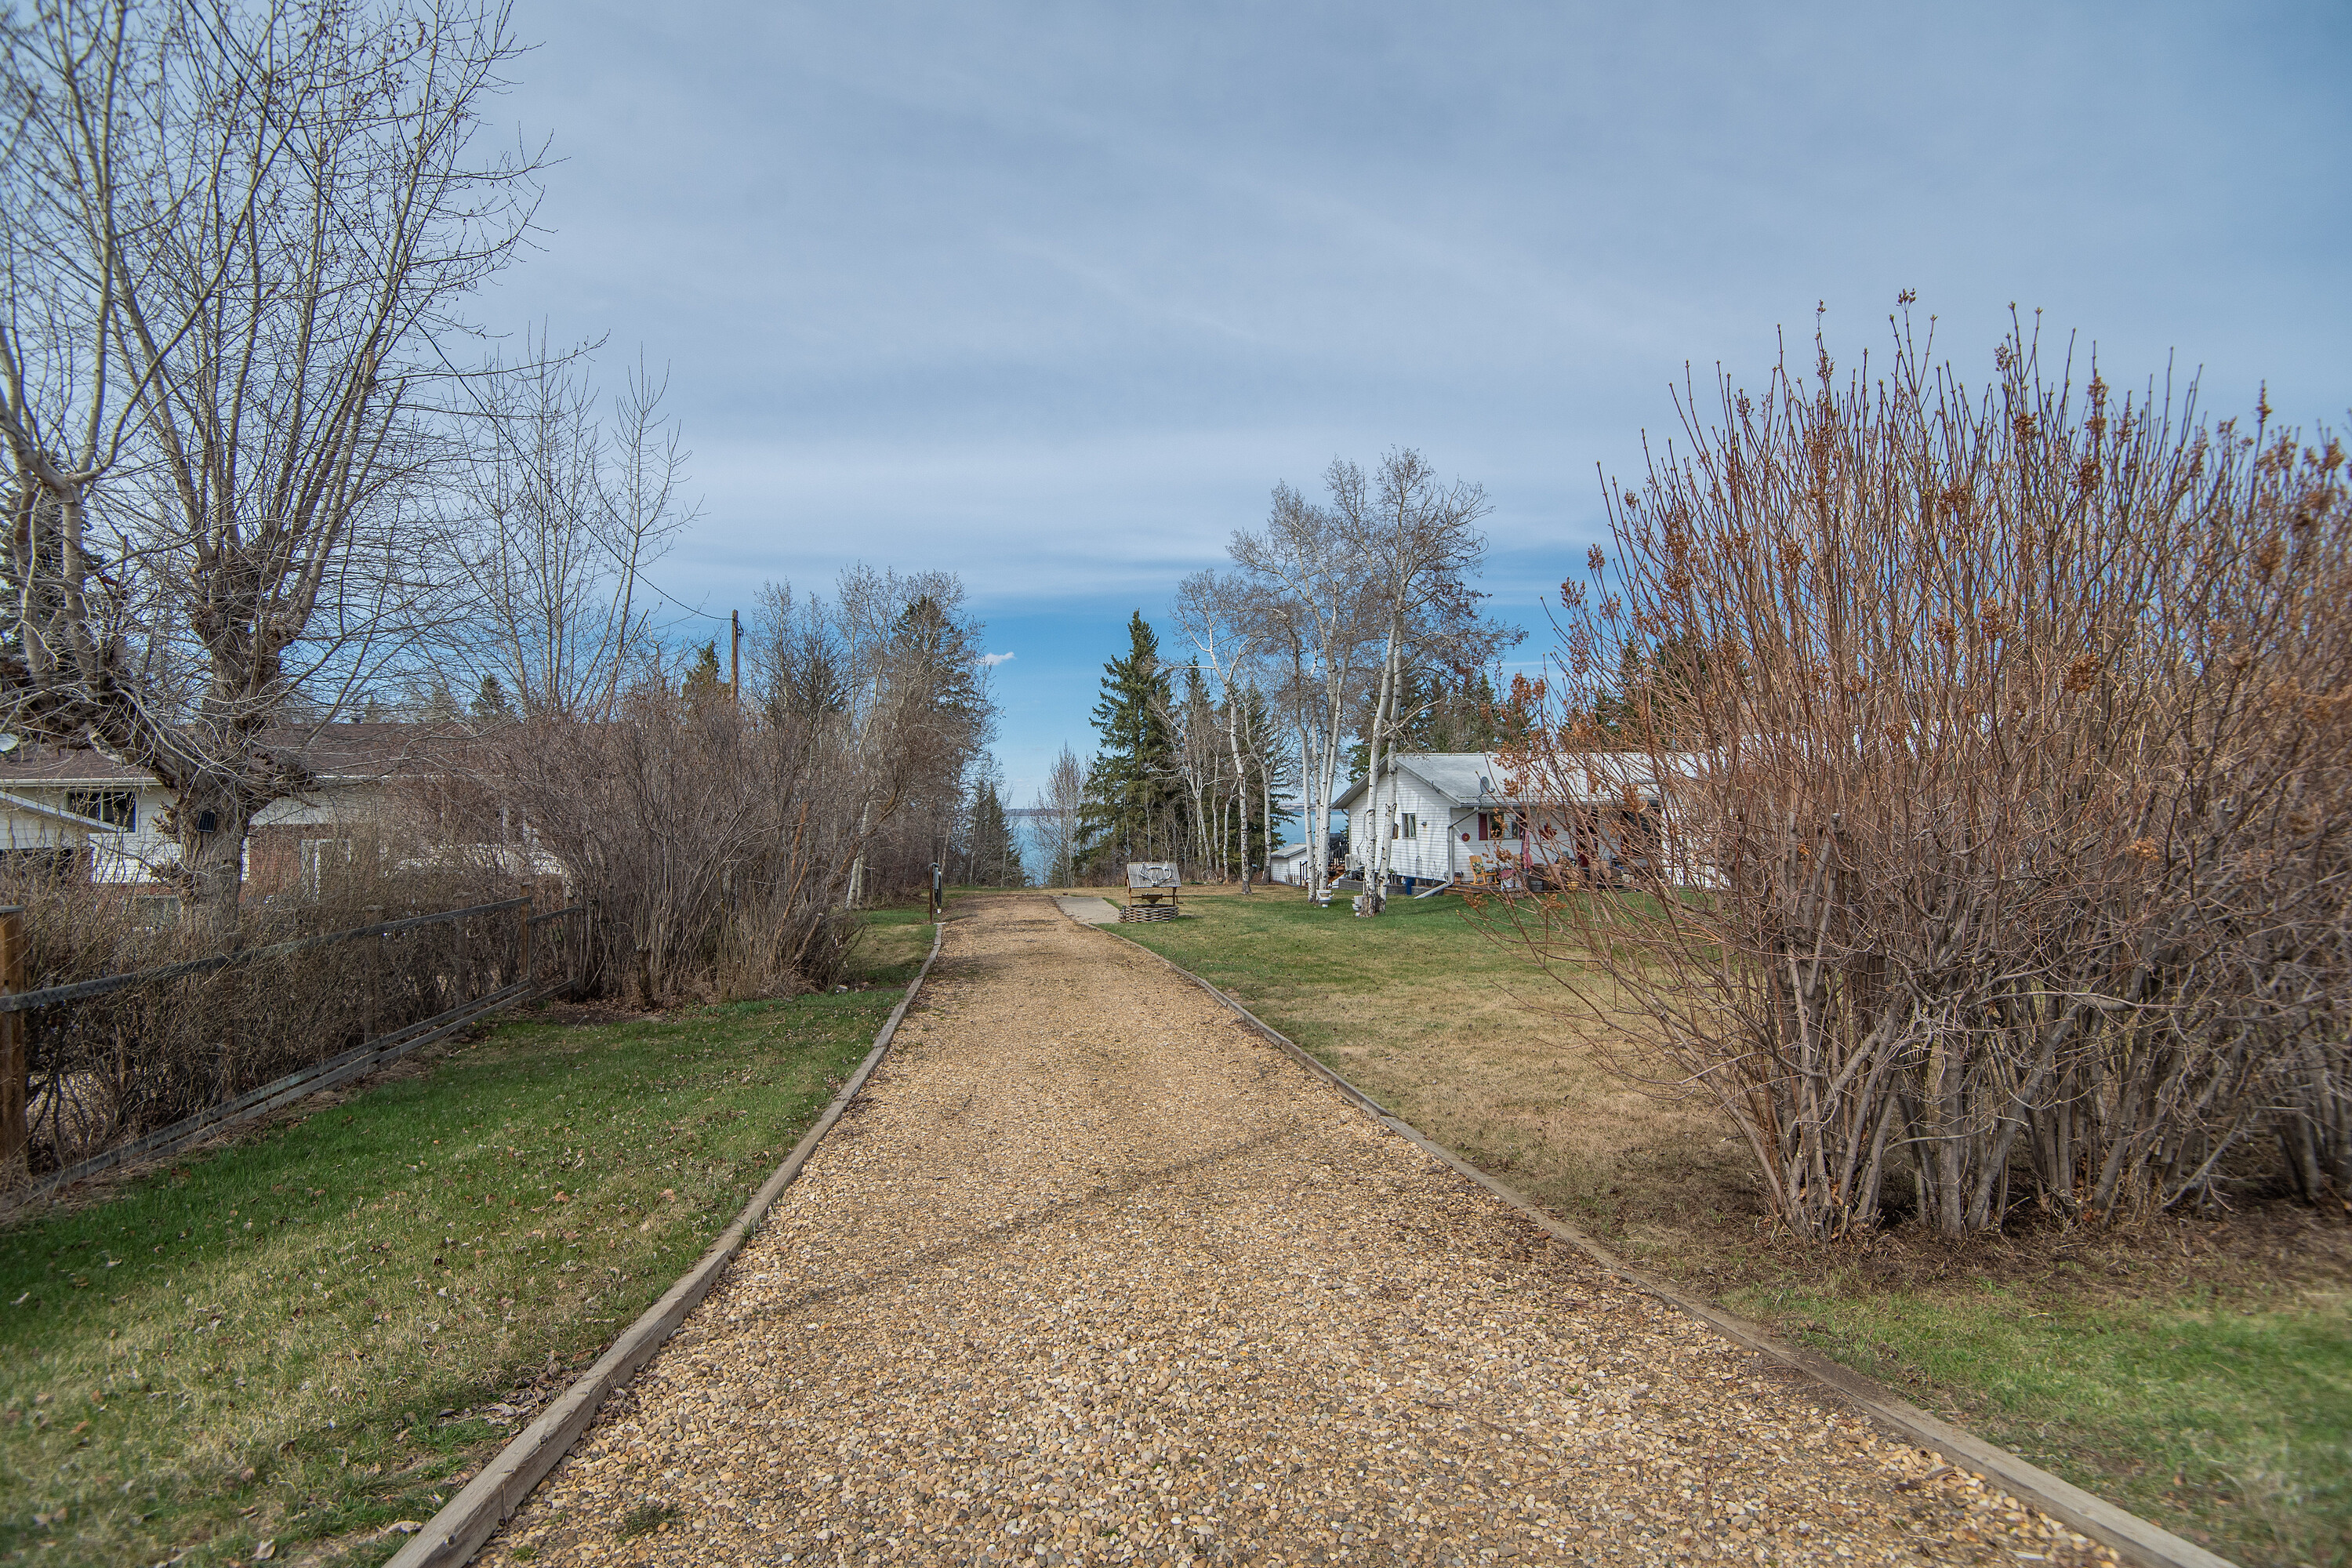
{"x": 1485, "y": 784}
{"x": 7, "y": 744}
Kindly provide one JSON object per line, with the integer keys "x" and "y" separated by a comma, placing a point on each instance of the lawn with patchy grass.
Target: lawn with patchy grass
{"x": 2197, "y": 1372}
{"x": 317, "y": 1332}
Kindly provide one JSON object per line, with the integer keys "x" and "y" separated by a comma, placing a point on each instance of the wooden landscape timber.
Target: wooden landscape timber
{"x": 455, "y": 1534}
{"x": 2133, "y": 1538}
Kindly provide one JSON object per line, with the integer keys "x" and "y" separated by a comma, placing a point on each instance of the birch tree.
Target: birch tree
{"x": 1386, "y": 566}
{"x": 1421, "y": 545}
{"x": 1213, "y": 612}
{"x": 1307, "y": 593}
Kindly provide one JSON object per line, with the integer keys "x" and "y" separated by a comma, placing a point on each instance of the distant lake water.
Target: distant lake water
{"x": 1033, "y": 859}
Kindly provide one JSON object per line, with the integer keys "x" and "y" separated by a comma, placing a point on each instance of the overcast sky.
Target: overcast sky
{"x": 1052, "y": 295}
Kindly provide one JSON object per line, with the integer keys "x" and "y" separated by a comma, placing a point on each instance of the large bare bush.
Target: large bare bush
{"x": 111, "y": 1067}
{"x": 690, "y": 833}
{"x": 716, "y": 838}
{"x": 2001, "y": 835}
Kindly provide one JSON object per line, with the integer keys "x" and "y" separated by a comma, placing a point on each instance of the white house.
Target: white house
{"x": 56, "y": 803}
{"x": 1451, "y": 816}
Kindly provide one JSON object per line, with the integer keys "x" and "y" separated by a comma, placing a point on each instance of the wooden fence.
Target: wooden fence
{"x": 19, "y": 1005}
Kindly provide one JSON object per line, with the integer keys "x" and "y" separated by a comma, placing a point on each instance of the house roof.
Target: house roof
{"x": 335, "y": 752}
{"x": 1469, "y": 779}
{"x": 1288, "y": 850}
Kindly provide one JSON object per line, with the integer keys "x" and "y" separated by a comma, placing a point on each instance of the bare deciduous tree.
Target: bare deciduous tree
{"x": 1061, "y": 800}
{"x": 237, "y": 240}
{"x": 901, "y": 659}
{"x": 1216, "y": 612}
{"x": 1420, "y": 542}
{"x": 562, "y": 514}
{"x": 1308, "y": 597}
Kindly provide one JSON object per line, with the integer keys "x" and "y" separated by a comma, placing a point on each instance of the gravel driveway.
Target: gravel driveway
{"x": 1092, "y": 1273}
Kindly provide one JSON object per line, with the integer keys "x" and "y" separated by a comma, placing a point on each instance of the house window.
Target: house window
{"x": 1412, "y": 826}
{"x": 1498, "y": 825}
{"x": 114, "y": 807}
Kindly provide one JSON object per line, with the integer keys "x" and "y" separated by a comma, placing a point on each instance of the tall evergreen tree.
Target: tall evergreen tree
{"x": 702, "y": 682}
{"x": 993, "y": 854}
{"x": 491, "y": 703}
{"x": 1132, "y": 792}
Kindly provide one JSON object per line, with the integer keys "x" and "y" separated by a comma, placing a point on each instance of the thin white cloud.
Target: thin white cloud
{"x": 993, "y": 660}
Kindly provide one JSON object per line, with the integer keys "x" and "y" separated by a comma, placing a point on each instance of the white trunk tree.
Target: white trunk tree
{"x": 1308, "y": 597}
{"x": 1420, "y": 542}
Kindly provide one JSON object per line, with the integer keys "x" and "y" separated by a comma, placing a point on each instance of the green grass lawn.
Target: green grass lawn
{"x": 2224, "y": 1414}
{"x": 309, "y": 1335}
{"x": 2198, "y": 1374}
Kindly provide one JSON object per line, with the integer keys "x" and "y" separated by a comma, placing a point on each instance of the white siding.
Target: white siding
{"x": 1427, "y": 853}
{"x": 143, "y": 852}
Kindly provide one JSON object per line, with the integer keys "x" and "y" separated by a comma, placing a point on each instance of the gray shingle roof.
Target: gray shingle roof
{"x": 1469, "y": 778}
{"x": 356, "y": 750}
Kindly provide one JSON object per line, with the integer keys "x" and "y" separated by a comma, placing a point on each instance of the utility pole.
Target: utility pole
{"x": 735, "y": 655}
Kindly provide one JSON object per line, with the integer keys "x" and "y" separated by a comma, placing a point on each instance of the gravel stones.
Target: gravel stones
{"x": 1093, "y": 1274}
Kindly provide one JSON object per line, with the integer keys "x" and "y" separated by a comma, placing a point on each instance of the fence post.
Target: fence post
{"x": 522, "y": 935}
{"x": 374, "y": 949}
{"x": 16, "y": 1059}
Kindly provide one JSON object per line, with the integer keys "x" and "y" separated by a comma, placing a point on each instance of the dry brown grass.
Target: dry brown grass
{"x": 2189, "y": 1369}
{"x": 1463, "y": 1037}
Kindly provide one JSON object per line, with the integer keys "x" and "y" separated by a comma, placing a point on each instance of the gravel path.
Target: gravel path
{"x": 1092, "y": 1273}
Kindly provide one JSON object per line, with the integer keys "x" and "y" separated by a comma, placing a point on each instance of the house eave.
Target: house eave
{"x": 73, "y": 819}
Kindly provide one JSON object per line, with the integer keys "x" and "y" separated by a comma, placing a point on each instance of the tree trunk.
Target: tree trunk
{"x": 1241, "y": 781}
{"x": 212, "y": 825}
{"x": 1266, "y": 818}
{"x": 857, "y": 867}
{"x": 1376, "y": 859}
{"x": 1329, "y": 765}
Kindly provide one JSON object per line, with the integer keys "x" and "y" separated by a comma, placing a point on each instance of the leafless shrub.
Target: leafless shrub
{"x": 690, "y": 839}
{"x": 715, "y": 838}
{"x": 2001, "y": 845}
{"x": 114, "y": 1067}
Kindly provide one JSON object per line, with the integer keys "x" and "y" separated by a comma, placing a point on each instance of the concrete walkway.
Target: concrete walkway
{"x": 1092, "y": 1273}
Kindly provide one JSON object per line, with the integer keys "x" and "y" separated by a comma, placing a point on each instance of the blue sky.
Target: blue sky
{"x": 1052, "y": 295}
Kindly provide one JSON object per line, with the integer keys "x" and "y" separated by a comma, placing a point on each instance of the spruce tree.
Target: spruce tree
{"x": 491, "y": 703}
{"x": 702, "y": 682}
{"x": 994, "y": 856}
{"x": 1131, "y": 790}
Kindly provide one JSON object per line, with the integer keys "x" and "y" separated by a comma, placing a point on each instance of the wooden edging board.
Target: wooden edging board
{"x": 2132, "y": 1539}
{"x": 474, "y": 1515}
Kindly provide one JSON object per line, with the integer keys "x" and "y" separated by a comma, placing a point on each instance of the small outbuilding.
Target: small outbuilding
{"x": 1288, "y": 865}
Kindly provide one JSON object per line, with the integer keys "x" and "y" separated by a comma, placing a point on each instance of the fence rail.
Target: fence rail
{"x": 80, "y": 990}
{"x": 18, "y": 1005}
